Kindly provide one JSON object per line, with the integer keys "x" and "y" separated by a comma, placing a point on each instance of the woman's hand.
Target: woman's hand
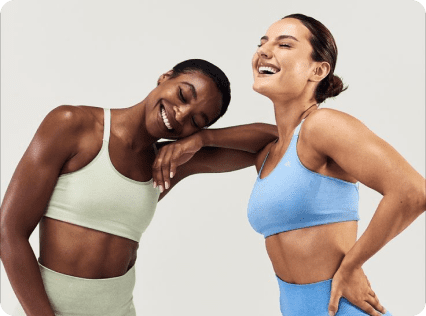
{"x": 171, "y": 156}
{"x": 225, "y": 149}
{"x": 352, "y": 284}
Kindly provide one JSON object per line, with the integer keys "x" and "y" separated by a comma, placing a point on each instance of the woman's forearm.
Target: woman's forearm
{"x": 250, "y": 137}
{"x": 23, "y": 271}
{"x": 393, "y": 215}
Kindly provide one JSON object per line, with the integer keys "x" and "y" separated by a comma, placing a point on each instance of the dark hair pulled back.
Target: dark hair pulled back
{"x": 324, "y": 48}
{"x": 214, "y": 73}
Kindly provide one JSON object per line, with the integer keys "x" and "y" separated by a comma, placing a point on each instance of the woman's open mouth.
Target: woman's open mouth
{"x": 165, "y": 119}
{"x": 267, "y": 70}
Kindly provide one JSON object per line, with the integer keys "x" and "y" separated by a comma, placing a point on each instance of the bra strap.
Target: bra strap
{"x": 297, "y": 130}
{"x": 261, "y": 168}
{"x": 107, "y": 124}
{"x": 264, "y": 160}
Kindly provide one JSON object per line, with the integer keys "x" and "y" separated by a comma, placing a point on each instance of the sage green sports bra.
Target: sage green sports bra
{"x": 97, "y": 196}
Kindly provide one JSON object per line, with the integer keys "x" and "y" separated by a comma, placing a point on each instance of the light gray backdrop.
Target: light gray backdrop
{"x": 200, "y": 255}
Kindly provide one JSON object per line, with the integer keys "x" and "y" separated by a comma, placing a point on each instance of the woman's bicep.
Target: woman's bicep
{"x": 36, "y": 174}
{"x": 362, "y": 154}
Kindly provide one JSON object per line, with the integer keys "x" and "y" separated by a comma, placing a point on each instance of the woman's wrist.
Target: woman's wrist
{"x": 349, "y": 264}
{"x": 205, "y": 137}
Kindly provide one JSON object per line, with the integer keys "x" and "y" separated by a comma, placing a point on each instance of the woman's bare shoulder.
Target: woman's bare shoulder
{"x": 77, "y": 116}
{"x": 71, "y": 120}
{"x": 323, "y": 124}
{"x": 326, "y": 118}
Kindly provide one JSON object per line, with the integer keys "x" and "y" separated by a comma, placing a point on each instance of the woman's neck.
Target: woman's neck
{"x": 289, "y": 114}
{"x": 131, "y": 127}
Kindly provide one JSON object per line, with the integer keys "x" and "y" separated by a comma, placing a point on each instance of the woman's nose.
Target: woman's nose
{"x": 182, "y": 113}
{"x": 264, "y": 51}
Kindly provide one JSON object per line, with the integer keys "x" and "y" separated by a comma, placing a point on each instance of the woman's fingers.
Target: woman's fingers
{"x": 157, "y": 172}
{"x": 334, "y": 302}
{"x": 169, "y": 158}
{"x": 374, "y": 302}
{"x": 370, "y": 310}
{"x": 165, "y": 167}
{"x": 174, "y": 162}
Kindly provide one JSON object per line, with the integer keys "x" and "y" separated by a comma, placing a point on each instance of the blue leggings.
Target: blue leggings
{"x": 312, "y": 299}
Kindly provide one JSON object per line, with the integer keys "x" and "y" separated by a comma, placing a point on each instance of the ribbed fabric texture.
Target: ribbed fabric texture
{"x": 312, "y": 300}
{"x": 99, "y": 197}
{"x": 73, "y": 296}
{"x": 293, "y": 197}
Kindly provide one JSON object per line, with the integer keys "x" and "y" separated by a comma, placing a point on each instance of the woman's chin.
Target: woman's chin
{"x": 261, "y": 89}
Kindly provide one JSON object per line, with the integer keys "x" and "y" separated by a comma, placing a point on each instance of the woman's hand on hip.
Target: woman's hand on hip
{"x": 352, "y": 284}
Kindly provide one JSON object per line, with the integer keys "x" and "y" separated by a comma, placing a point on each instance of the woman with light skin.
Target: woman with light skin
{"x": 86, "y": 177}
{"x": 305, "y": 199}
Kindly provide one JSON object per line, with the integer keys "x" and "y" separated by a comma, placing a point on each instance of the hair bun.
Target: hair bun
{"x": 329, "y": 87}
{"x": 336, "y": 86}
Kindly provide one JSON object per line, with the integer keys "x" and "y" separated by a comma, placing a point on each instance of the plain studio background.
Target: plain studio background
{"x": 200, "y": 256}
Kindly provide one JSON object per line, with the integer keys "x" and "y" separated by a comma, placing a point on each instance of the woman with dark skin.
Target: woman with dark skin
{"x": 188, "y": 99}
{"x": 294, "y": 67}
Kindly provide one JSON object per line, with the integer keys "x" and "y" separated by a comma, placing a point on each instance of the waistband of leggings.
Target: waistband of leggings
{"x": 130, "y": 274}
{"x": 72, "y": 296}
{"x": 323, "y": 283}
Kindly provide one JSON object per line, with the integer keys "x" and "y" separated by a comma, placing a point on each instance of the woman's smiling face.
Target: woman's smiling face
{"x": 183, "y": 105}
{"x": 282, "y": 65}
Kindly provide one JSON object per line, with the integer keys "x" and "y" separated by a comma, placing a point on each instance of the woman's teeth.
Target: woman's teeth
{"x": 165, "y": 120}
{"x": 267, "y": 70}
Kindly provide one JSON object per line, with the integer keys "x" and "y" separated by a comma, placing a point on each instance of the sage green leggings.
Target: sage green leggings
{"x": 72, "y": 296}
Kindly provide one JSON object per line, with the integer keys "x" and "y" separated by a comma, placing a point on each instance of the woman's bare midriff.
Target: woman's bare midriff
{"x": 83, "y": 252}
{"x": 310, "y": 254}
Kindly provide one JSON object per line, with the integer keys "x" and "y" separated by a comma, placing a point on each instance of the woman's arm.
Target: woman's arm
{"x": 25, "y": 201}
{"x": 376, "y": 164}
{"x": 250, "y": 137}
{"x": 211, "y": 151}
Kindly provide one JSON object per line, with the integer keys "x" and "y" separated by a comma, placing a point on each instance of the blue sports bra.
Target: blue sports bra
{"x": 293, "y": 197}
{"x": 97, "y": 196}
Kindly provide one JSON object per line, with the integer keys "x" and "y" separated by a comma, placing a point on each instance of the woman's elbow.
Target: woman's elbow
{"x": 416, "y": 198}
{"x": 10, "y": 238}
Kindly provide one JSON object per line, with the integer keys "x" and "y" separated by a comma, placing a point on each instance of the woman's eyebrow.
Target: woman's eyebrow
{"x": 194, "y": 94}
{"x": 192, "y": 88}
{"x": 280, "y": 38}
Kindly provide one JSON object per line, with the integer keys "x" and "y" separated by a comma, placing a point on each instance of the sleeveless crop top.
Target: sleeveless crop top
{"x": 97, "y": 196}
{"x": 294, "y": 197}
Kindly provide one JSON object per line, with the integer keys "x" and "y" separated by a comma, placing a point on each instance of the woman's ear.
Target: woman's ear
{"x": 164, "y": 77}
{"x": 320, "y": 71}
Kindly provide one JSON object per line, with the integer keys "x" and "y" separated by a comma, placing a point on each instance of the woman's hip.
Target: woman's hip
{"x": 312, "y": 299}
{"x": 72, "y": 296}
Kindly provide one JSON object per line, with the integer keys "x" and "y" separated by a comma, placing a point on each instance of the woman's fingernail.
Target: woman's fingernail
{"x": 155, "y": 184}
{"x": 161, "y": 188}
{"x": 171, "y": 175}
{"x": 167, "y": 185}
{"x": 331, "y": 313}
